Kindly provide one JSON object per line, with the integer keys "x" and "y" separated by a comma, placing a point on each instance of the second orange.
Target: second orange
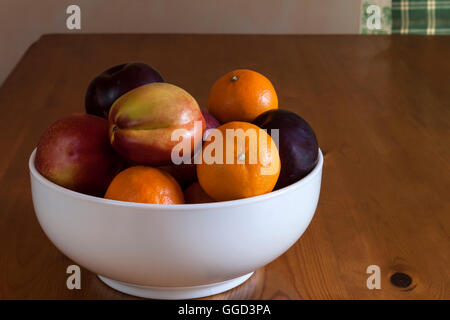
{"x": 241, "y": 95}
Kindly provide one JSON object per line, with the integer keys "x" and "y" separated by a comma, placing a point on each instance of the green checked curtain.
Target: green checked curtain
{"x": 421, "y": 16}
{"x": 407, "y": 16}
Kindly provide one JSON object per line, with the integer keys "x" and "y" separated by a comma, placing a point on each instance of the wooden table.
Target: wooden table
{"x": 380, "y": 106}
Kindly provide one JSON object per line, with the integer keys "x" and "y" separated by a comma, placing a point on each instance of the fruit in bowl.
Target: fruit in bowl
{"x": 297, "y": 144}
{"x": 186, "y": 173}
{"x": 114, "y": 82}
{"x": 145, "y": 185}
{"x": 174, "y": 251}
{"x": 141, "y": 238}
{"x": 241, "y": 95}
{"x": 233, "y": 174}
{"x": 143, "y": 120}
{"x": 195, "y": 194}
{"x": 211, "y": 122}
{"x": 74, "y": 152}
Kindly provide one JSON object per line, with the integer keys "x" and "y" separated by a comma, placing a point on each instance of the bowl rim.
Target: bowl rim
{"x": 173, "y": 207}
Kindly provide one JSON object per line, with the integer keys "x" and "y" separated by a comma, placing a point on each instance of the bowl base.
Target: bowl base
{"x": 170, "y": 293}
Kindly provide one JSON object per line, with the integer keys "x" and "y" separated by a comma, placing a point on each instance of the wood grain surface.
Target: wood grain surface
{"x": 380, "y": 106}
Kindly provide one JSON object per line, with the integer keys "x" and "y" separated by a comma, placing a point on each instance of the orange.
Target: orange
{"x": 195, "y": 194}
{"x": 250, "y": 173}
{"x": 241, "y": 95}
{"x": 145, "y": 185}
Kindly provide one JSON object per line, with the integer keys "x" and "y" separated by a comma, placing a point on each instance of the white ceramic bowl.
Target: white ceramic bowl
{"x": 174, "y": 251}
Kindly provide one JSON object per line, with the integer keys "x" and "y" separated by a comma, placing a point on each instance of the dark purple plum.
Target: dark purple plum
{"x": 298, "y": 146}
{"x": 211, "y": 122}
{"x": 114, "y": 82}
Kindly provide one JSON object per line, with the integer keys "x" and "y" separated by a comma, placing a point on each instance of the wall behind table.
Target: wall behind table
{"x": 23, "y": 21}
